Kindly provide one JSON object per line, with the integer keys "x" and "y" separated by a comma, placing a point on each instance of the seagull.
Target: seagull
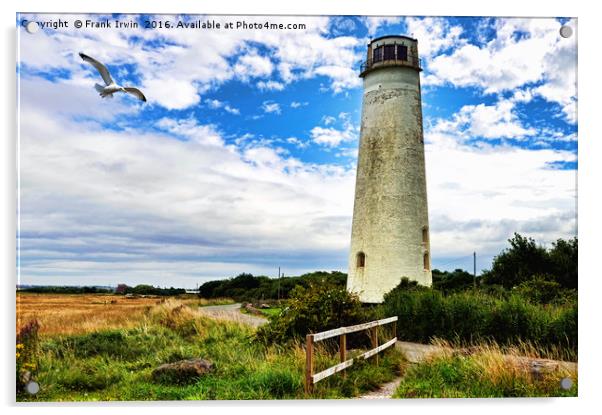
{"x": 110, "y": 86}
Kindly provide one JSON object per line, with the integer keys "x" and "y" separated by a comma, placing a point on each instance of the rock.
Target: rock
{"x": 183, "y": 371}
{"x": 252, "y": 310}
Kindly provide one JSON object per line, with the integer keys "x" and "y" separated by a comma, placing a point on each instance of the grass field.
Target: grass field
{"x": 92, "y": 349}
{"x": 104, "y": 347}
{"x": 85, "y": 313}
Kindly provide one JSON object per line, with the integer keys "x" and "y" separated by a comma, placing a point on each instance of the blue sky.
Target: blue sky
{"x": 243, "y": 159}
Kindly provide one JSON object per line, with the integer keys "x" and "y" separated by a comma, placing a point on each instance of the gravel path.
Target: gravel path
{"x": 384, "y": 392}
{"x": 232, "y": 312}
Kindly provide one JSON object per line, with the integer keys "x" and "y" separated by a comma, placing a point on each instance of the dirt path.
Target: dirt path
{"x": 232, "y": 312}
{"x": 384, "y": 392}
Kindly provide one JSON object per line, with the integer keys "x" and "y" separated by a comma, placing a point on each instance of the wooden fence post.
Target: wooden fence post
{"x": 309, "y": 363}
{"x": 343, "y": 349}
{"x": 375, "y": 341}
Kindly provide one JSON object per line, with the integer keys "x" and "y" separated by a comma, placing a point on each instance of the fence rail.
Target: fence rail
{"x": 312, "y": 378}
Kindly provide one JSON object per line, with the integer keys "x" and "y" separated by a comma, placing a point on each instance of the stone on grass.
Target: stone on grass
{"x": 183, "y": 371}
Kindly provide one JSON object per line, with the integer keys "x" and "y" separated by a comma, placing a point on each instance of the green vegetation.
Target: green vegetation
{"x": 246, "y": 287}
{"x": 486, "y": 373}
{"x": 56, "y": 289}
{"x": 117, "y": 364}
{"x": 271, "y": 312}
{"x": 27, "y": 353}
{"x": 473, "y": 317}
{"x": 313, "y": 309}
{"x": 528, "y": 297}
{"x": 144, "y": 289}
{"x": 525, "y": 259}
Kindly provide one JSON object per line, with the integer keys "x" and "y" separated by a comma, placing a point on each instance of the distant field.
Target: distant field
{"x": 85, "y": 313}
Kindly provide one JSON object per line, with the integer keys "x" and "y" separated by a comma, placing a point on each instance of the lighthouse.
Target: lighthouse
{"x": 390, "y": 230}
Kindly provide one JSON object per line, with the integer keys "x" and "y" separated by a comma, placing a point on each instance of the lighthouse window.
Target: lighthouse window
{"x": 361, "y": 259}
{"x": 425, "y": 235}
{"x": 402, "y": 52}
{"x": 427, "y": 265}
{"x": 389, "y": 52}
{"x": 378, "y": 54}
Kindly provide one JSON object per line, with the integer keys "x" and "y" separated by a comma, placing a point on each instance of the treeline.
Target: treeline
{"x": 65, "y": 289}
{"x": 249, "y": 287}
{"x": 144, "y": 289}
{"x": 538, "y": 274}
{"x": 141, "y": 289}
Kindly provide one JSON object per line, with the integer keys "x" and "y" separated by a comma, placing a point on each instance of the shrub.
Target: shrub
{"x": 27, "y": 353}
{"x": 544, "y": 290}
{"x": 472, "y": 316}
{"x": 317, "y": 308}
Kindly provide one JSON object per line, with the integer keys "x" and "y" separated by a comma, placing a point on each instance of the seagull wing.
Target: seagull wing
{"x": 104, "y": 72}
{"x": 136, "y": 92}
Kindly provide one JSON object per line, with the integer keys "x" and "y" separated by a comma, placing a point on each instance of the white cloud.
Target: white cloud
{"x": 216, "y": 104}
{"x": 296, "y": 104}
{"x": 486, "y": 121}
{"x": 188, "y": 63}
{"x": 479, "y": 196}
{"x": 524, "y": 52}
{"x": 331, "y": 137}
{"x": 328, "y": 119}
{"x": 146, "y": 206}
{"x": 271, "y": 107}
{"x": 297, "y": 142}
{"x": 270, "y": 85}
{"x": 253, "y": 65}
{"x": 434, "y": 34}
{"x": 373, "y": 23}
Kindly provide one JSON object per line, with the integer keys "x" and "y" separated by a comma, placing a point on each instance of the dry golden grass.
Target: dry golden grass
{"x": 516, "y": 361}
{"x": 84, "y": 313}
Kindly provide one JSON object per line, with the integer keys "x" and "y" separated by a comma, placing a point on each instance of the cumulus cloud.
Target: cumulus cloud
{"x": 253, "y": 65}
{"x": 479, "y": 196}
{"x": 187, "y": 64}
{"x": 297, "y": 104}
{"x": 434, "y": 34}
{"x": 332, "y": 136}
{"x": 147, "y": 205}
{"x": 271, "y": 107}
{"x": 486, "y": 121}
{"x": 373, "y": 23}
{"x": 524, "y": 52}
{"x": 217, "y": 104}
{"x": 270, "y": 85}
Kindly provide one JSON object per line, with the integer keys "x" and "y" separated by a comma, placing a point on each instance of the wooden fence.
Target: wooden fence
{"x": 312, "y": 378}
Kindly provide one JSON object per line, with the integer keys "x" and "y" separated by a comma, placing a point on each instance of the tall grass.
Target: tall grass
{"x": 475, "y": 317}
{"x": 487, "y": 371}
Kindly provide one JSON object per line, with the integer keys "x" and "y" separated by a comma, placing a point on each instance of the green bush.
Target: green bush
{"x": 472, "y": 316}
{"x": 317, "y": 308}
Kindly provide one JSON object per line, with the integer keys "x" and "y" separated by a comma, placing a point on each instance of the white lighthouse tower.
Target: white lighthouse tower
{"x": 390, "y": 232}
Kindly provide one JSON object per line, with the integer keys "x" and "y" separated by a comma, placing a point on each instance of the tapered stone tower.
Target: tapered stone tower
{"x": 390, "y": 232}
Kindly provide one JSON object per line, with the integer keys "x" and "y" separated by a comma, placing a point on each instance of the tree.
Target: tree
{"x": 563, "y": 259}
{"x": 518, "y": 263}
